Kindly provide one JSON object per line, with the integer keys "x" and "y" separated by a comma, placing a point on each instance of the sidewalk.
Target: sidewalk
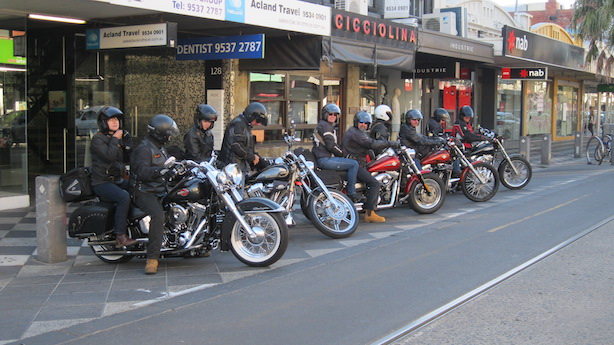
{"x": 36, "y": 297}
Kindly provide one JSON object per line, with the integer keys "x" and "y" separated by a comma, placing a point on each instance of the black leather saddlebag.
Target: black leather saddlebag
{"x": 91, "y": 219}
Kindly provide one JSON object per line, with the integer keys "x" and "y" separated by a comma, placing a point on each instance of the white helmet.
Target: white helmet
{"x": 383, "y": 112}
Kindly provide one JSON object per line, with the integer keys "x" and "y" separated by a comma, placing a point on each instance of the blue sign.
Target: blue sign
{"x": 92, "y": 39}
{"x": 235, "y": 11}
{"x": 220, "y": 48}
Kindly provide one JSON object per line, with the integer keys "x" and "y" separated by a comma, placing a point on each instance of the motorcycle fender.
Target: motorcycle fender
{"x": 413, "y": 179}
{"x": 251, "y": 205}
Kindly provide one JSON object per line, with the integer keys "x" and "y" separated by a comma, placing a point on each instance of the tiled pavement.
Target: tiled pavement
{"x": 36, "y": 297}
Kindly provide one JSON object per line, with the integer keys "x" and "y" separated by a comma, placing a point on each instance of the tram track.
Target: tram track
{"x": 414, "y": 326}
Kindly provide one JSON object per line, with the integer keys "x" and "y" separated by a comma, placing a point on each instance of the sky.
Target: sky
{"x": 511, "y": 3}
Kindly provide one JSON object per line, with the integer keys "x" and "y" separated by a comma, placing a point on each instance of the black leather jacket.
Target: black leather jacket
{"x": 464, "y": 131}
{"x": 380, "y": 131}
{"x": 146, "y": 163}
{"x": 434, "y": 128}
{"x": 421, "y": 143}
{"x": 357, "y": 144}
{"x": 109, "y": 156}
{"x": 325, "y": 142}
{"x": 198, "y": 144}
{"x": 238, "y": 144}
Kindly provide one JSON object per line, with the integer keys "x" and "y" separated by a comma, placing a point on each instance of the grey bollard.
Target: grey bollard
{"x": 50, "y": 220}
{"x": 525, "y": 148}
{"x": 577, "y": 144}
{"x": 546, "y": 149}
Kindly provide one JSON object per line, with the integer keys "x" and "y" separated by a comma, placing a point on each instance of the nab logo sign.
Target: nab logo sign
{"x": 520, "y": 43}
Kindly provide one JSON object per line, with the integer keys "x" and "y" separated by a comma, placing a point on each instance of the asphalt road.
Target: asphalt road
{"x": 359, "y": 294}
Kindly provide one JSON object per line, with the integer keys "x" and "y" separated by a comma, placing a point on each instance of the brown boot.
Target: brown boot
{"x": 372, "y": 217}
{"x": 152, "y": 266}
{"x": 123, "y": 240}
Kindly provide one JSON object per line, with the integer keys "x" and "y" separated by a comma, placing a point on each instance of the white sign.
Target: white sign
{"x": 149, "y": 35}
{"x": 291, "y": 15}
{"x": 211, "y": 9}
{"x": 215, "y": 98}
{"x": 396, "y": 8}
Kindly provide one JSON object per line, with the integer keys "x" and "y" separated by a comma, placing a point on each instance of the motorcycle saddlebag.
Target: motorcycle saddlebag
{"x": 91, "y": 219}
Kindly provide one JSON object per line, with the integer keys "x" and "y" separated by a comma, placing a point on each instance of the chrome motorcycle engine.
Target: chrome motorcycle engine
{"x": 387, "y": 178}
{"x": 177, "y": 231}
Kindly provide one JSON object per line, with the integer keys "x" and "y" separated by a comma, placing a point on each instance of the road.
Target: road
{"x": 359, "y": 294}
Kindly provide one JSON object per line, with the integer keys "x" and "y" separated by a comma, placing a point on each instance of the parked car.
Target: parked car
{"x": 86, "y": 121}
{"x": 508, "y": 125}
{"x": 13, "y": 128}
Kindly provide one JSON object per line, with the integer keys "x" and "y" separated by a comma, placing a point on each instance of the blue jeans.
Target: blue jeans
{"x": 342, "y": 164}
{"x": 117, "y": 193}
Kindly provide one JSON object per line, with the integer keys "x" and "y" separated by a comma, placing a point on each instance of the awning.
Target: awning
{"x": 436, "y": 43}
{"x": 367, "y": 53}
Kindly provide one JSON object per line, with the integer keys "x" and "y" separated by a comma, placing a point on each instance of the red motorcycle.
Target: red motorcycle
{"x": 479, "y": 181}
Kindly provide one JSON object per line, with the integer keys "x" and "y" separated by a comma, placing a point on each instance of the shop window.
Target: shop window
{"x": 539, "y": 107}
{"x": 509, "y": 109}
{"x": 567, "y": 111}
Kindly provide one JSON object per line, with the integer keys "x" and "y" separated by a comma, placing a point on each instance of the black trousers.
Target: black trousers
{"x": 150, "y": 204}
{"x": 373, "y": 187}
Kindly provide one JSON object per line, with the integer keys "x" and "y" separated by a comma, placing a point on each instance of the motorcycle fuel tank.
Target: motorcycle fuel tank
{"x": 189, "y": 190}
{"x": 274, "y": 172}
{"x": 483, "y": 149}
{"x": 386, "y": 163}
{"x": 436, "y": 157}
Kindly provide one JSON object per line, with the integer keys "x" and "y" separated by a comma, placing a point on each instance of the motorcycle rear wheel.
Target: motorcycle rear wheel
{"x": 515, "y": 181}
{"x": 265, "y": 249}
{"x": 472, "y": 187}
{"x": 337, "y": 218}
{"x": 421, "y": 201}
{"x": 110, "y": 259}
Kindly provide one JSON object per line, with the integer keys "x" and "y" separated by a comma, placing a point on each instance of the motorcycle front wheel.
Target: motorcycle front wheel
{"x": 427, "y": 202}
{"x": 515, "y": 181}
{"x": 474, "y": 189}
{"x": 336, "y": 218}
{"x": 267, "y": 247}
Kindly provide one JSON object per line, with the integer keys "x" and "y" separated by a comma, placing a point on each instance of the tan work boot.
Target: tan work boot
{"x": 152, "y": 266}
{"x": 372, "y": 217}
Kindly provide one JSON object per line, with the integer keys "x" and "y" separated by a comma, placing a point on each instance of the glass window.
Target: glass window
{"x": 509, "y": 108}
{"x": 567, "y": 111}
{"x": 539, "y": 107}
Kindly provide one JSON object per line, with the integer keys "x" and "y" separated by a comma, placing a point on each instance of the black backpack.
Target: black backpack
{"x": 76, "y": 185}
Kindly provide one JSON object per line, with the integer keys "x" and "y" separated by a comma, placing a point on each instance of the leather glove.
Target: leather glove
{"x": 394, "y": 144}
{"x": 168, "y": 174}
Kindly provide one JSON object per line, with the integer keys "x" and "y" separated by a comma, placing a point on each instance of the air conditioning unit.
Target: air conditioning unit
{"x": 355, "y": 6}
{"x": 443, "y": 22}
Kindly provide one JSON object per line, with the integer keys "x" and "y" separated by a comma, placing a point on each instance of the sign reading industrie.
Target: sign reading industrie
{"x": 211, "y": 9}
{"x": 527, "y": 73}
{"x": 148, "y": 35}
{"x": 219, "y": 48}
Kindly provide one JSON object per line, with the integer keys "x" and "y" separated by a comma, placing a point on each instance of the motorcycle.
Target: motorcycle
{"x": 402, "y": 182}
{"x": 204, "y": 210}
{"x": 515, "y": 171}
{"x": 479, "y": 181}
{"x": 329, "y": 210}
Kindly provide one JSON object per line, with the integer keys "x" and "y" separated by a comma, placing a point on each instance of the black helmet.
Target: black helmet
{"x": 105, "y": 114}
{"x": 441, "y": 114}
{"x": 413, "y": 114}
{"x": 162, "y": 127}
{"x": 328, "y": 109}
{"x": 205, "y": 112}
{"x": 363, "y": 117}
{"x": 256, "y": 111}
{"x": 466, "y": 110}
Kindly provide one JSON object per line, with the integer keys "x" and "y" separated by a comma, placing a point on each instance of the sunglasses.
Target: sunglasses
{"x": 365, "y": 123}
{"x": 333, "y": 114}
{"x": 415, "y": 119}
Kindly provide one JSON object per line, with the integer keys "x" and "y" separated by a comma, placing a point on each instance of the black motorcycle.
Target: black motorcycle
{"x": 204, "y": 210}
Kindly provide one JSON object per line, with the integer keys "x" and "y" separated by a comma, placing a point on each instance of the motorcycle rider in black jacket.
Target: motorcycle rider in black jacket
{"x": 410, "y": 137}
{"x": 148, "y": 174}
{"x": 239, "y": 144}
{"x": 198, "y": 141}
{"x": 437, "y": 123}
{"x": 381, "y": 128}
{"x": 110, "y": 149}
{"x": 328, "y": 153}
{"x": 356, "y": 143}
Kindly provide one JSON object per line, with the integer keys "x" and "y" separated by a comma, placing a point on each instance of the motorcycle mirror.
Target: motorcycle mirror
{"x": 170, "y": 161}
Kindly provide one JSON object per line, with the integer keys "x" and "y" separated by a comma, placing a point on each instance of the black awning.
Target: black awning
{"x": 287, "y": 53}
{"x": 360, "y": 52}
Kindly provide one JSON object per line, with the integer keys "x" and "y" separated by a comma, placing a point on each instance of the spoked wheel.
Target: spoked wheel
{"x": 335, "y": 218}
{"x": 476, "y": 190}
{"x": 110, "y": 259}
{"x": 427, "y": 202}
{"x": 595, "y": 151}
{"x": 269, "y": 244}
{"x": 512, "y": 180}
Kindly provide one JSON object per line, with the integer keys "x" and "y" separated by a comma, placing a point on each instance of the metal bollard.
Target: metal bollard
{"x": 50, "y": 220}
{"x": 547, "y": 149}
{"x": 577, "y": 145}
{"x": 525, "y": 148}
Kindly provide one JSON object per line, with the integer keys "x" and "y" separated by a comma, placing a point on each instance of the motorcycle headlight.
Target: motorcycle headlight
{"x": 221, "y": 178}
{"x": 233, "y": 173}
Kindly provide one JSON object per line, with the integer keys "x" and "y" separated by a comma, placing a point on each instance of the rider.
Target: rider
{"x": 148, "y": 176}
{"x": 410, "y": 137}
{"x": 357, "y": 144}
{"x": 463, "y": 129}
{"x": 381, "y": 128}
{"x": 238, "y": 145}
{"x": 110, "y": 149}
{"x": 438, "y": 122}
{"x": 328, "y": 153}
{"x": 198, "y": 141}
